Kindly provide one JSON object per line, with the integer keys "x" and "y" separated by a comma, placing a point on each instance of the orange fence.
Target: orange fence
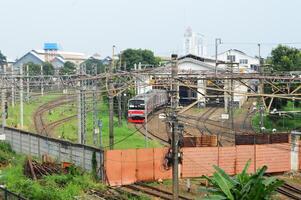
{"x": 130, "y": 166}
{"x": 199, "y": 161}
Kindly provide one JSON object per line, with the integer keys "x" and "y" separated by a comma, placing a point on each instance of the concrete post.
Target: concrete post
{"x": 295, "y": 152}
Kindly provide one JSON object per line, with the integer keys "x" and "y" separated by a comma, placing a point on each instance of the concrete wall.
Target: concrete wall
{"x": 37, "y": 145}
{"x": 238, "y": 57}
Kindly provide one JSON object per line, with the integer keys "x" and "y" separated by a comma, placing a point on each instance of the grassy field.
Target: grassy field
{"x": 125, "y": 136}
{"x": 29, "y": 109}
{"x": 280, "y": 123}
{"x": 71, "y": 184}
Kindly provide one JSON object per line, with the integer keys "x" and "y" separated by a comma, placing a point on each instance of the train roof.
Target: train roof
{"x": 148, "y": 94}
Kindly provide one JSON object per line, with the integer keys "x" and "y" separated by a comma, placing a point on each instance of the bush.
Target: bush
{"x": 6, "y": 153}
{"x": 53, "y": 187}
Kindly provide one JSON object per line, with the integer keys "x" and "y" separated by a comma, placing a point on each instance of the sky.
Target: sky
{"x": 94, "y": 26}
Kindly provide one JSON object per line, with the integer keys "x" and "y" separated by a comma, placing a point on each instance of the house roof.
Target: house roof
{"x": 238, "y": 51}
{"x": 64, "y": 54}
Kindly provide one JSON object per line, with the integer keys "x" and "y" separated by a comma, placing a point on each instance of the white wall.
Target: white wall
{"x": 238, "y": 57}
{"x": 190, "y": 64}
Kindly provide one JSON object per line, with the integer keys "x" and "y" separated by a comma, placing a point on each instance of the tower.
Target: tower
{"x": 194, "y": 43}
{"x": 50, "y": 51}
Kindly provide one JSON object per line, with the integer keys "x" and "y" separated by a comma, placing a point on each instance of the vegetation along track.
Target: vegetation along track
{"x": 152, "y": 191}
{"x": 40, "y": 126}
{"x": 289, "y": 191}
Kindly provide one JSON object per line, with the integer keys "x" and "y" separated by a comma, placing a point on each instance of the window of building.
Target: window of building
{"x": 254, "y": 67}
{"x": 243, "y": 61}
{"x": 231, "y": 58}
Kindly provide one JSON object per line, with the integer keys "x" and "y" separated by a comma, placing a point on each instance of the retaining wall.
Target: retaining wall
{"x": 64, "y": 151}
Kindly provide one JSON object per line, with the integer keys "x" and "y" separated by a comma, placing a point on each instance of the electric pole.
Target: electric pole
{"x": 119, "y": 97}
{"x": 3, "y": 100}
{"x": 217, "y": 42}
{"x": 260, "y": 90}
{"x": 119, "y": 110}
{"x": 232, "y": 100}
{"x": 111, "y": 102}
{"x": 21, "y": 97}
{"x": 261, "y": 111}
{"x": 174, "y": 124}
{"x": 94, "y": 96}
{"x": 42, "y": 84}
{"x": 13, "y": 87}
{"x": 81, "y": 109}
{"x": 27, "y": 83}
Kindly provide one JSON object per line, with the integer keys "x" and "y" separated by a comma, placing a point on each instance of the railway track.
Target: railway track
{"x": 203, "y": 118}
{"x": 152, "y": 191}
{"x": 289, "y": 190}
{"x": 150, "y": 135}
{"x": 39, "y": 123}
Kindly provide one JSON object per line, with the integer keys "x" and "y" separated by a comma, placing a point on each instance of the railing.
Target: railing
{"x": 8, "y": 195}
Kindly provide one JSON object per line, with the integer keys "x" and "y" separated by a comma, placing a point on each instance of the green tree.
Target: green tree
{"x": 33, "y": 69}
{"x": 68, "y": 68}
{"x": 2, "y": 59}
{"x": 135, "y": 56}
{"x": 91, "y": 63}
{"x": 284, "y": 58}
{"x": 243, "y": 186}
{"x": 48, "y": 68}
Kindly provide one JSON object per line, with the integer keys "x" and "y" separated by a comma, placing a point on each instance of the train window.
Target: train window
{"x": 136, "y": 104}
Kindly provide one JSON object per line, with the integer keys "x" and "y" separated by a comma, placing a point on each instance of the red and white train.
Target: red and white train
{"x": 143, "y": 104}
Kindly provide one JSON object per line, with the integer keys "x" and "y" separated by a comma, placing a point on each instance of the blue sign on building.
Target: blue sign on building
{"x": 51, "y": 46}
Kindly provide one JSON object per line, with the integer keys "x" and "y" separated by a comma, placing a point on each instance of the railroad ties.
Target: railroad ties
{"x": 151, "y": 191}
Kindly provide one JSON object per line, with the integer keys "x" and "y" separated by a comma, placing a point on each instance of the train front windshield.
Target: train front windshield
{"x": 136, "y": 105}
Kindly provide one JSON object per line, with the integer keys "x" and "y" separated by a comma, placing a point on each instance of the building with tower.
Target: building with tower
{"x": 194, "y": 43}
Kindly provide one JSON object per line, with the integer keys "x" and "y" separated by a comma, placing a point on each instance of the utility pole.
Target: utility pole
{"x": 217, "y": 42}
{"x": 42, "y": 79}
{"x": 94, "y": 96}
{"x": 174, "y": 124}
{"x": 232, "y": 101}
{"x": 119, "y": 110}
{"x": 101, "y": 151}
{"x": 261, "y": 111}
{"x": 27, "y": 83}
{"x": 13, "y": 87}
{"x": 111, "y": 103}
{"x": 119, "y": 97}
{"x": 3, "y": 100}
{"x": 125, "y": 104}
{"x": 81, "y": 109}
{"x": 21, "y": 97}
{"x": 145, "y": 121}
{"x": 260, "y": 89}
{"x": 136, "y": 83}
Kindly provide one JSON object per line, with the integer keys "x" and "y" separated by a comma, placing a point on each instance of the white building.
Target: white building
{"x": 52, "y": 54}
{"x": 245, "y": 61}
{"x": 194, "y": 43}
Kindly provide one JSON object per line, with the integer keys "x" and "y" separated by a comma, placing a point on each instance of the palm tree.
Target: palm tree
{"x": 243, "y": 186}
